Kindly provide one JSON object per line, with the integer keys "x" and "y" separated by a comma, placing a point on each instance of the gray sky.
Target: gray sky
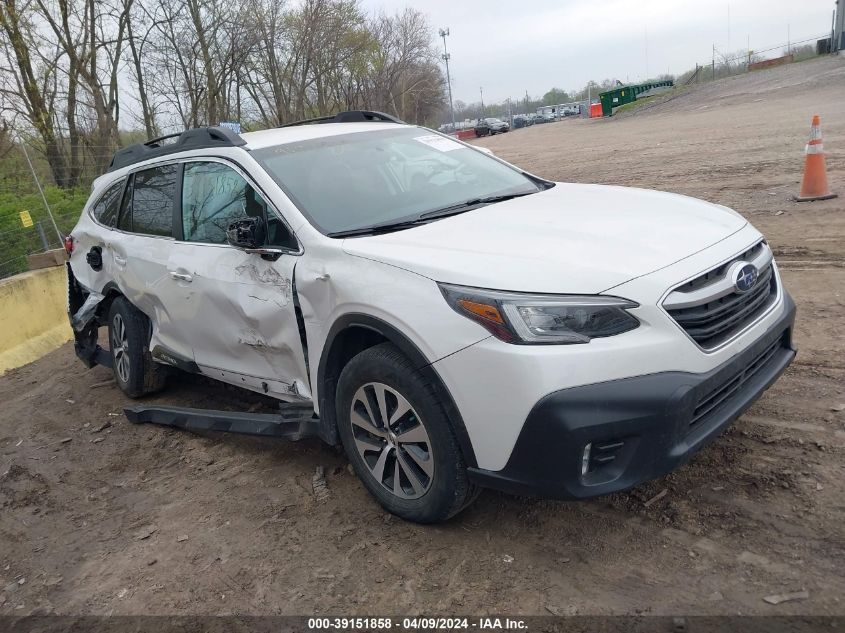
{"x": 513, "y": 46}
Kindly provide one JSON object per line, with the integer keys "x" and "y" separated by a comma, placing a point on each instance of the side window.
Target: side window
{"x": 108, "y": 206}
{"x": 213, "y": 196}
{"x": 124, "y": 220}
{"x": 152, "y": 200}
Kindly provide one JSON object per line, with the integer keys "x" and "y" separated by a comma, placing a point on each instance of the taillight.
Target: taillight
{"x": 69, "y": 244}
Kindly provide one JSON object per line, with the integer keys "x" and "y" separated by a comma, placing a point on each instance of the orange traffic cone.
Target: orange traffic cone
{"x": 814, "y": 186}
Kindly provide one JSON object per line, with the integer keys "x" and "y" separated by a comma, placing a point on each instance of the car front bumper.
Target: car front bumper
{"x": 636, "y": 428}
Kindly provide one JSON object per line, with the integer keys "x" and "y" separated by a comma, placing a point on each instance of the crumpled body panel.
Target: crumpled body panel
{"x": 242, "y": 320}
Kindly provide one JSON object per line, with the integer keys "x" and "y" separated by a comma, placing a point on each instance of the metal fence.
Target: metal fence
{"x": 19, "y": 242}
{"x": 727, "y": 64}
{"x": 36, "y": 211}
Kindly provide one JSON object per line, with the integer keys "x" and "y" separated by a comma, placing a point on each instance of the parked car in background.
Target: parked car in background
{"x": 481, "y": 128}
{"x": 491, "y": 125}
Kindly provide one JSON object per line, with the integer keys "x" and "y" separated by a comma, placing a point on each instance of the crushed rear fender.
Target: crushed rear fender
{"x": 82, "y": 312}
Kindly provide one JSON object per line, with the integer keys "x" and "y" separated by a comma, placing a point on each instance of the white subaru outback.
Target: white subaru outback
{"x": 455, "y": 322}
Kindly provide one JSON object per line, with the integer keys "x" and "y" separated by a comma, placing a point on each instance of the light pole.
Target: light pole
{"x": 481, "y": 90}
{"x": 446, "y": 57}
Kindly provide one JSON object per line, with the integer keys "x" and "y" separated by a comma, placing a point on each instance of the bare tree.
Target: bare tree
{"x": 30, "y": 85}
{"x": 404, "y": 65}
{"x": 71, "y": 66}
{"x": 91, "y": 34}
{"x": 138, "y": 29}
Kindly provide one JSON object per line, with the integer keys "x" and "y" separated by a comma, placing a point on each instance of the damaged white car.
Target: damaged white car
{"x": 453, "y": 321}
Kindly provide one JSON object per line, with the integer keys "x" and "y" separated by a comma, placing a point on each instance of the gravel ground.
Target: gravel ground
{"x": 102, "y": 517}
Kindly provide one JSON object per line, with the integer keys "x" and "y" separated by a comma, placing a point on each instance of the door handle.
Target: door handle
{"x": 182, "y": 276}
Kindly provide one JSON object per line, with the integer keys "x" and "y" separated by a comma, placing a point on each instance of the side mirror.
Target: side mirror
{"x": 250, "y": 234}
{"x": 247, "y": 233}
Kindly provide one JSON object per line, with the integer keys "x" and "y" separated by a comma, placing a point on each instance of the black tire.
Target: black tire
{"x": 134, "y": 370}
{"x": 448, "y": 489}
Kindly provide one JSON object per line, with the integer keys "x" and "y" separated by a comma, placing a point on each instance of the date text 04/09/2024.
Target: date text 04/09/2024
{"x": 416, "y": 623}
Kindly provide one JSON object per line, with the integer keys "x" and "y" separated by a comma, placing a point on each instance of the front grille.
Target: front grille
{"x": 711, "y": 310}
{"x": 717, "y": 273}
{"x": 711, "y": 401}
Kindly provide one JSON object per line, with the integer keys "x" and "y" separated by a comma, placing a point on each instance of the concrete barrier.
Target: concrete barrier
{"x": 33, "y": 316}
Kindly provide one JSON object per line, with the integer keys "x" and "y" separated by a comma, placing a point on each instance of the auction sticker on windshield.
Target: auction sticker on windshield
{"x": 439, "y": 142}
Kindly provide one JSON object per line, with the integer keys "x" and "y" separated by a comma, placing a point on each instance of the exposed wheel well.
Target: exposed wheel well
{"x": 351, "y": 335}
{"x": 110, "y": 292}
{"x": 344, "y": 346}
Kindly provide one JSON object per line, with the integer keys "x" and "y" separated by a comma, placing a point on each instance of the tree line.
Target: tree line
{"x": 80, "y": 78}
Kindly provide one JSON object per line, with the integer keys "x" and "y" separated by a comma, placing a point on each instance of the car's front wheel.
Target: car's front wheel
{"x": 134, "y": 369}
{"x": 398, "y": 438}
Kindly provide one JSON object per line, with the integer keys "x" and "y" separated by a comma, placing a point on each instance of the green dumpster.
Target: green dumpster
{"x": 627, "y": 94}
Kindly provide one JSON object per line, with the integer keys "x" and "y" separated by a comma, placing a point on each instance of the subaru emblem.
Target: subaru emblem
{"x": 745, "y": 277}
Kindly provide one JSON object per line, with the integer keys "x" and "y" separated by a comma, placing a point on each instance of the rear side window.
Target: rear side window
{"x": 153, "y": 194}
{"x": 124, "y": 221}
{"x": 108, "y": 206}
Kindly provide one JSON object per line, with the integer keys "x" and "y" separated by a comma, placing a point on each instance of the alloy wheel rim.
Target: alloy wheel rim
{"x": 120, "y": 348}
{"x": 392, "y": 440}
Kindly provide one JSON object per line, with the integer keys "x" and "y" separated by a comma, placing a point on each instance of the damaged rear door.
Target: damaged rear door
{"x": 238, "y": 307}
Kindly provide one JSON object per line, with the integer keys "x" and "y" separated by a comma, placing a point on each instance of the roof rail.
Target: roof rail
{"x": 350, "y": 116}
{"x": 197, "y": 138}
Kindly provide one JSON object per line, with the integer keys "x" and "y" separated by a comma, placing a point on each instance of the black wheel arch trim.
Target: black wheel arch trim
{"x": 328, "y": 384}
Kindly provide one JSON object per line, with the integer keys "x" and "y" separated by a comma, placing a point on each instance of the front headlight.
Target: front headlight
{"x": 550, "y": 319}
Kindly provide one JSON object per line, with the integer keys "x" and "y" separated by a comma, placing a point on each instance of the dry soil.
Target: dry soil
{"x": 98, "y": 516}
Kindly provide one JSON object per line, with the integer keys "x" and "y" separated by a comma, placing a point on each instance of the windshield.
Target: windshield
{"x": 493, "y": 120}
{"x": 354, "y": 181}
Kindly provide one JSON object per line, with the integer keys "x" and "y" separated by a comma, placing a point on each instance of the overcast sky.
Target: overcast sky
{"x": 508, "y": 47}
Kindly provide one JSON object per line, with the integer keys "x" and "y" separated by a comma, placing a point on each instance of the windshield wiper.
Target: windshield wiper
{"x": 453, "y": 209}
{"x": 374, "y": 229}
{"x": 461, "y": 207}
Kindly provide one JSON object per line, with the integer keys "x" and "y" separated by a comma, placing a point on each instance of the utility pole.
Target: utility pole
{"x": 729, "y": 28}
{"x": 714, "y": 61}
{"x": 446, "y": 57}
{"x": 481, "y": 90}
{"x": 748, "y": 50}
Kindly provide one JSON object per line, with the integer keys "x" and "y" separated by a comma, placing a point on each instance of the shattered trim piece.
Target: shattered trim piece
{"x": 86, "y": 313}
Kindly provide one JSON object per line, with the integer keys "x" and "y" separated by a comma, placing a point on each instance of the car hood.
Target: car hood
{"x": 572, "y": 238}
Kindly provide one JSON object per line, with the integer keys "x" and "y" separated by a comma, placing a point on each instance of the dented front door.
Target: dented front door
{"x": 240, "y": 319}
